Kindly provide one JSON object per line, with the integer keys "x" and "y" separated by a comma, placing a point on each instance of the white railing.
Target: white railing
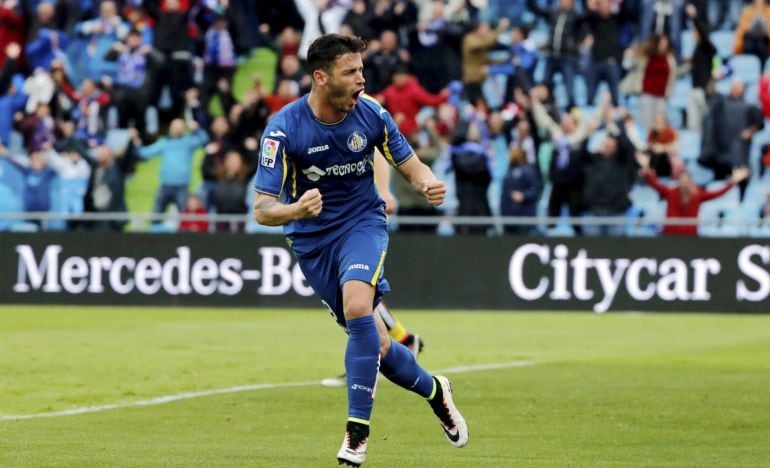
{"x": 445, "y": 223}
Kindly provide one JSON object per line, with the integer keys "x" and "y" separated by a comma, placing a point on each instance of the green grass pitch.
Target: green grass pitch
{"x": 609, "y": 390}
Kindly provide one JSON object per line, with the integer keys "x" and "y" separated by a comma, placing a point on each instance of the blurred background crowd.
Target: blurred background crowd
{"x": 545, "y": 116}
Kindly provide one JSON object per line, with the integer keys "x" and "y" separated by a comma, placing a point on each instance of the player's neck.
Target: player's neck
{"x": 321, "y": 109}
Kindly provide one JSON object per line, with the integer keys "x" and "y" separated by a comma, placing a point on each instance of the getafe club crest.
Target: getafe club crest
{"x": 357, "y": 141}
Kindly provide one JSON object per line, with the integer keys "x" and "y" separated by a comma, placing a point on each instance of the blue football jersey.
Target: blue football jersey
{"x": 299, "y": 153}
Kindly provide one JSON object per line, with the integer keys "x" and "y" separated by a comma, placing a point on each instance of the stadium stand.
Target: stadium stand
{"x": 228, "y": 61}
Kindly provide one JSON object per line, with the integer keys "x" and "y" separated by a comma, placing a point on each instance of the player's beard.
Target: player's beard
{"x": 340, "y": 98}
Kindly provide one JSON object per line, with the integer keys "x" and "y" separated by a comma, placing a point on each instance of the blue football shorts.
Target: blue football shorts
{"x": 358, "y": 254}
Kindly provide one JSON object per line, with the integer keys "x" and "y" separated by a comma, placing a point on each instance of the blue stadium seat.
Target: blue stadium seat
{"x": 760, "y": 230}
{"x": 581, "y": 91}
{"x": 699, "y": 174}
{"x": 742, "y": 218}
{"x": 152, "y": 120}
{"x": 23, "y": 226}
{"x": 722, "y": 86}
{"x": 681, "y": 93}
{"x": 560, "y": 92}
{"x": 636, "y": 226}
{"x": 12, "y": 185}
{"x": 648, "y": 209}
{"x": 493, "y": 195}
{"x": 713, "y": 221}
{"x": 164, "y": 101}
{"x": 756, "y": 194}
{"x": 540, "y": 70}
{"x": 752, "y": 93}
{"x": 728, "y": 201}
{"x": 725, "y": 209}
{"x": 596, "y": 139}
{"x": 746, "y": 67}
{"x": 57, "y": 206}
{"x": 560, "y": 230}
{"x": 542, "y": 203}
{"x": 544, "y": 158}
{"x": 644, "y": 196}
{"x": 688, "y": 43}
{"x": 539, "y": 37}
{"x": 493, "y": 89}
{"x": 163, "y": 228}
{"x": 675, "y": 117}
{"x": 16, "y": 143}
{"x": 760, "y": 139}
{"x": 689, "y": 145}
{"x": 747, "y": 214}
{"x": 723, "y": 41}
{"x": 117, "y": 139}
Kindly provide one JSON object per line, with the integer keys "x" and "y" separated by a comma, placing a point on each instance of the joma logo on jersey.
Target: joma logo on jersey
{"x": 358, "y": 266}
{"x": 357, "y": 141}
{"x": 317, "y": 149}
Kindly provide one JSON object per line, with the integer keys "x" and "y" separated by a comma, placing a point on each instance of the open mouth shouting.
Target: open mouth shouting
{"x": 357, "y": 95}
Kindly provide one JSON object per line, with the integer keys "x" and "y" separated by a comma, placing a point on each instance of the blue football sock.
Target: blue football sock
{"x": 361, "y": 364}
{"x": 400, "y": 367}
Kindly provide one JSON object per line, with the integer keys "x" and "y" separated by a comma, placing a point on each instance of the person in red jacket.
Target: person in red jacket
{"x": 684, "y": 199}
{"x": 405, "y": 97}
{"x": 12, "y": 30}
{"x": 287, "y": 92}
{"x": 764, "y": 100}
{"x": 195, "y": 223}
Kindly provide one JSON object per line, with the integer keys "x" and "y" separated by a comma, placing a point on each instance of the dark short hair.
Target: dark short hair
{"x": 328, "y": 48}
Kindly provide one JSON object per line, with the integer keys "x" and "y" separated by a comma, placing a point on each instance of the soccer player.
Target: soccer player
{"x": 315, "y": 178}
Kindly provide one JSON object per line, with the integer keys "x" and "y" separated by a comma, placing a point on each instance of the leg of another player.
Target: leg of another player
{"x": 398, "y": 331}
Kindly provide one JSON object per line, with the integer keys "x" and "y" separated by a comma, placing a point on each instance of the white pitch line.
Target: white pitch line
{"x": 240, "y": 388}
{"x": 483, "y": 367}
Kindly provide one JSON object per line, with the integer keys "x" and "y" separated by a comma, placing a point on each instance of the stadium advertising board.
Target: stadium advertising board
{"x": 151, "y": 269}
{"x": 718, "y": 275}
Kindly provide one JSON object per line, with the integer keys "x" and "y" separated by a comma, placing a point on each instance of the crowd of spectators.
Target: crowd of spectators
{"x": 528, "y": 107}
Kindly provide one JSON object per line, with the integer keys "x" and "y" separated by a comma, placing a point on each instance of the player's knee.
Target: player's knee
{"x": 356, "y": 309}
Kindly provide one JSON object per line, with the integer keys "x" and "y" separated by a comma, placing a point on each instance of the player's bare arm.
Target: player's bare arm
{"x": 423, "y": 180}
{"x": 268, "y": 211}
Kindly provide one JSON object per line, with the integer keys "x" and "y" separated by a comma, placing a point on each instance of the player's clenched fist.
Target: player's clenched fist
{"x": 310, "y": 204}
{"x": 434, "y": 191}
